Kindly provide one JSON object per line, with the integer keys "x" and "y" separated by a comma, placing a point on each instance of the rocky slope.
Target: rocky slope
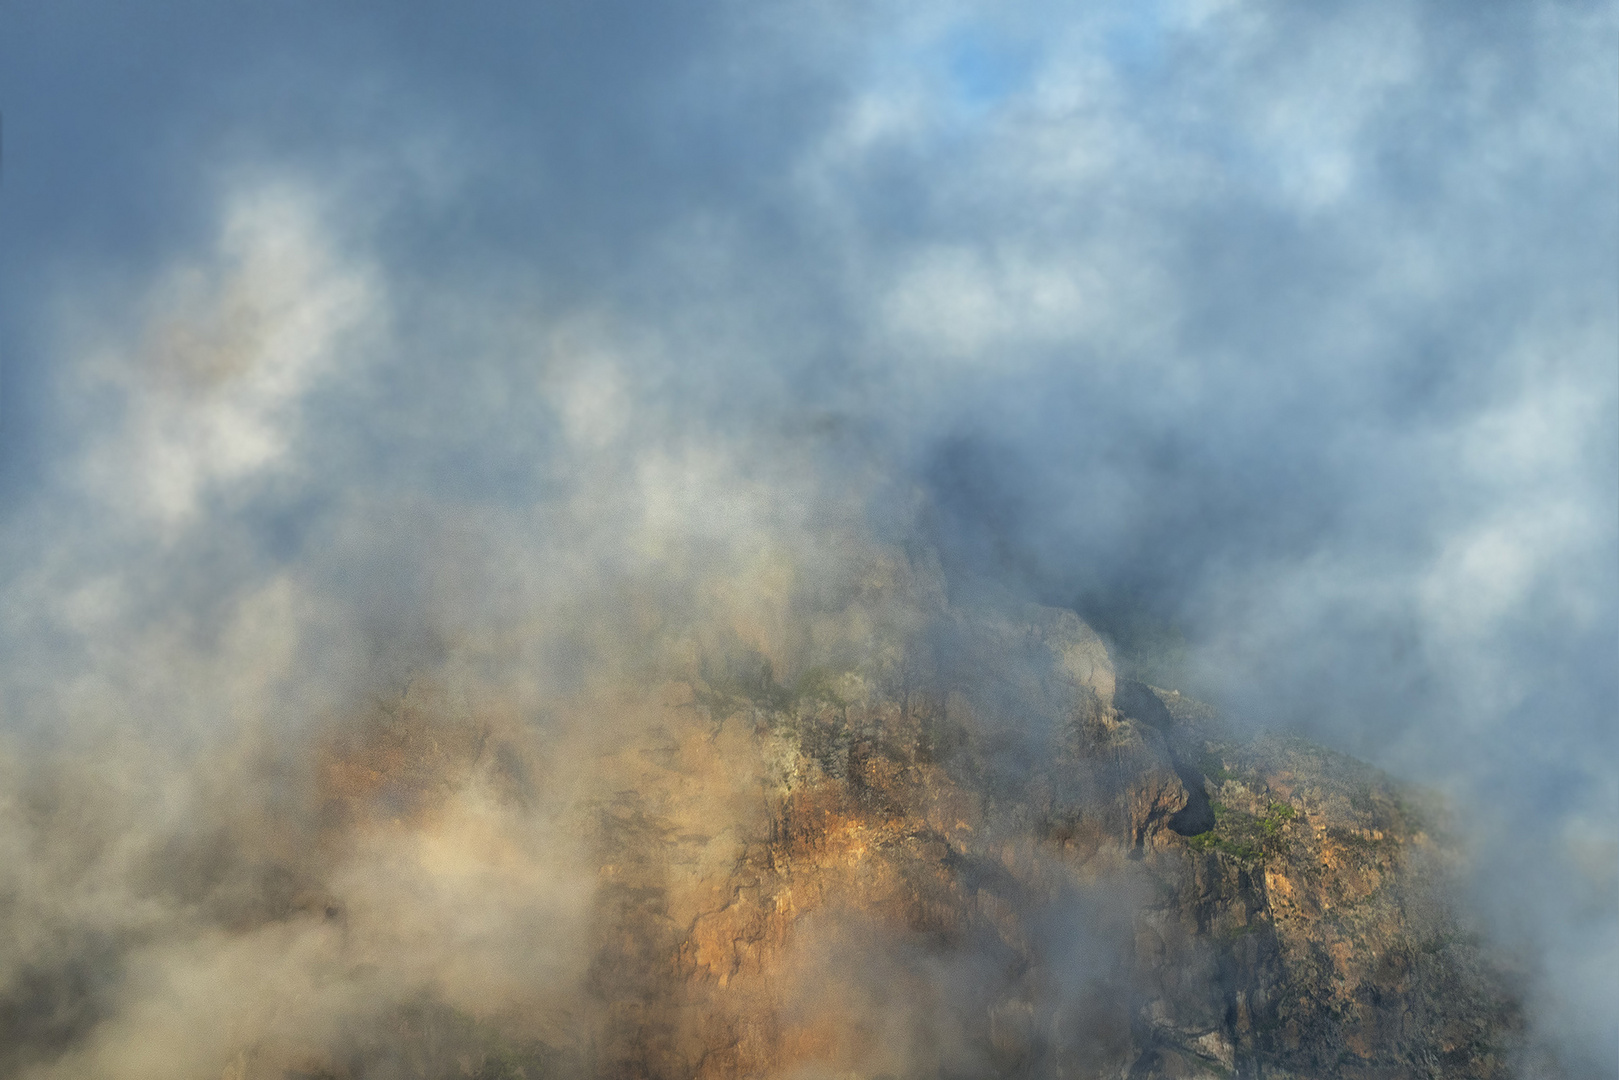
{"x": 1032, "y": 869}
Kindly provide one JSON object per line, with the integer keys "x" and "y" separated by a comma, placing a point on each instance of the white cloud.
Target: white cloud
{"x": 234, "y": 339}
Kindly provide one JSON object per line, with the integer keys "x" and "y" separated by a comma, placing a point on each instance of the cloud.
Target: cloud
{"x": 533, "y": 347}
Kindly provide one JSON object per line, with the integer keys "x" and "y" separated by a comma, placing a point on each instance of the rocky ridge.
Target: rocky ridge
{"x": 851, "y": 878}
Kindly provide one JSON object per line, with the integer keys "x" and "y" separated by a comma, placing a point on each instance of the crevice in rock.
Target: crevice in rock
{"x": 1137, "y": 701}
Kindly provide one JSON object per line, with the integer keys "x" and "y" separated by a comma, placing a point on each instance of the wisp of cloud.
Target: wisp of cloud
{"x": 423, "y": 425}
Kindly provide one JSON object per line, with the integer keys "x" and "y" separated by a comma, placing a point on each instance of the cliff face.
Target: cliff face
{"x": 1005, "y": 862}
{"x": 834, "y": 882}
{"x": 1153, "y": 898}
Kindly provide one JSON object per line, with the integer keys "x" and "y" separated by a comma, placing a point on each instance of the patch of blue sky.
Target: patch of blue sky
{"x": 988, "y": 61}
{"x": 985, "y": 67}
{"x": 1133, "y": 42}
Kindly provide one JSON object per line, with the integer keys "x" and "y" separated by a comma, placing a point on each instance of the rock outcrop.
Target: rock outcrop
{"x": 957, "y": 848}
{"x": 1043, "y": 872}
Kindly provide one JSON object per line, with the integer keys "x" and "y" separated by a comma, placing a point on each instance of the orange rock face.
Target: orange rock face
{"x": 1029, "y": 867}
{"x": 903, "y": 912}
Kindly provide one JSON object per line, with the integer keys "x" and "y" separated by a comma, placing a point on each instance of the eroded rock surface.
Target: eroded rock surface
{"x": 991, "y": 858}
{"x": 1144, "y": 895}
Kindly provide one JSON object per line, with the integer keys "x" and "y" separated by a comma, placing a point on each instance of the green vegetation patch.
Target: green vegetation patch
{"x": 742, "y": 681}
{"x": 1441, "y": 942}
{"x": 1243, "y": 835}
{"x": 1215, "y": 769}
{"x": 818, "y": 685}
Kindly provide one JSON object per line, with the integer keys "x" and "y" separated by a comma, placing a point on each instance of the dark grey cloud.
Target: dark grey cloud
{"x": 1282, "y": 333}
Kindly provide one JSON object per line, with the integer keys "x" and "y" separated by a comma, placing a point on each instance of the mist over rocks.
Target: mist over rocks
{"x": 937, "y": 842}
{"x": 512, "y": 516}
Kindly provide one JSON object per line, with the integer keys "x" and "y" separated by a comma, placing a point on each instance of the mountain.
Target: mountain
{"x": 1006, "y": 862}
